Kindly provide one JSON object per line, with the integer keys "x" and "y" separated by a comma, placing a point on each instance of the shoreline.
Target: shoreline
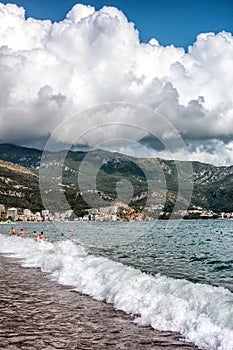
{"x": 109, "y": 221}
{"x": 37, "y": 313}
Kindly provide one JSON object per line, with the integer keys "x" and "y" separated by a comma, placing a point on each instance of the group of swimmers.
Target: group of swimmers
{"x": 40, "y": 236}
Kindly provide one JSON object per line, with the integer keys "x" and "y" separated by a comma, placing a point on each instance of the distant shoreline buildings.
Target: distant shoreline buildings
{"x": 117, "y": 212}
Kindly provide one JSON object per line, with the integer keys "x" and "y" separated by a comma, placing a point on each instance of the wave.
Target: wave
{"x": 203, "y": 314}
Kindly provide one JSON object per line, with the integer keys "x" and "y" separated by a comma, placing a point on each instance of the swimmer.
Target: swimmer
{"x": 26, "y": 231}
{"x": 12, "y": 230}
{"x": 21, "y": 233}
{"x": 42, "y": 236}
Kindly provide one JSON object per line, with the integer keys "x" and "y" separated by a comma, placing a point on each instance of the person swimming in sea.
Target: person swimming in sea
{"x": 41, "y": 236}
{"x": 21, "y": 233}
{"x": 13, "y": 231}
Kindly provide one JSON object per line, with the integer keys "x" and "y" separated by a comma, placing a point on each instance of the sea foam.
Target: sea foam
{"x": 203, "y": 314}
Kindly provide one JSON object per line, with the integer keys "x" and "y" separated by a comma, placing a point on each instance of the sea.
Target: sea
{"x": 173, "y": 276}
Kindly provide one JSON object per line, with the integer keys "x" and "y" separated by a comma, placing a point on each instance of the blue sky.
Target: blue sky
{"x": 175, "y": 22}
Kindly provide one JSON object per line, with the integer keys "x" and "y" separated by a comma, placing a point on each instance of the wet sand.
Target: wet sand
{"x": 37, "y": 313}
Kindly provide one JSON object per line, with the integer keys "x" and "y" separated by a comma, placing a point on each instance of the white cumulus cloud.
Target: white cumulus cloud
{"x": 49, "y": 71}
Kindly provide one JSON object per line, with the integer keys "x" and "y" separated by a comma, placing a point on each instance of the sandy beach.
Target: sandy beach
{"x": 37, "y": 313}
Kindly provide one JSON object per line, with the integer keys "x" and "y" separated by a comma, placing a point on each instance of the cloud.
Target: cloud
{"x": 215, "y": 151}
{"x": 49, "y": 71}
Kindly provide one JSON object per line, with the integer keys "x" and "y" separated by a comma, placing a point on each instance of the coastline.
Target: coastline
{"x": 37, "y": 313}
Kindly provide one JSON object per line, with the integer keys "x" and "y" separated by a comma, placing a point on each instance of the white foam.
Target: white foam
{"x": 203, "y": 314}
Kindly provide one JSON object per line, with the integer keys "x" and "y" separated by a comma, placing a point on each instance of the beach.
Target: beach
{"x": 37, "y": 313}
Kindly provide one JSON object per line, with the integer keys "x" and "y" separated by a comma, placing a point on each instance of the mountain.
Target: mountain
{"x": 26, "y": 157}
{"x": 19, "y": 187}
{"x": 141, "y": 181}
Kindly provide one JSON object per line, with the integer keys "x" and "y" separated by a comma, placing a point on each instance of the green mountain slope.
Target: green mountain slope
{"x": 19, "y": 187}
{"x": 142, "y": 181}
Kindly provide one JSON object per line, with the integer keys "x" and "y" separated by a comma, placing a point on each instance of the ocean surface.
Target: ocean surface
{"x": 178, "y": 279}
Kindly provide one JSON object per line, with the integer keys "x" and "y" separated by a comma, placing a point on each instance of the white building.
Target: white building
{"x": 13, "y": 213}
{"x": 38, "y": 216}
{"x": 27, "y": 213}
{"x": 2, "y": 211}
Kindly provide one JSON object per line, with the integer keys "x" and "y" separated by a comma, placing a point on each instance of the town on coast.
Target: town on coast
{"x": 117, "y": 212}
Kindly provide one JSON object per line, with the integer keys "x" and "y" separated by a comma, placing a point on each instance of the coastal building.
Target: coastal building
{"x": 45, "y": 214}
{"x": 38, "y": 217}
{"x": 27, "y": 213}
{"x": 226, "y": 215}
{"x": 13, "y": 213}
{"x": 108, "y": 213}
{"x": 68, "y": 213}
{"x": 2, "y": 211}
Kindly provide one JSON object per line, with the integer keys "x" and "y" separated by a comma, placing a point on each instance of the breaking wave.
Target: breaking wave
{"x": 203, "y": 314}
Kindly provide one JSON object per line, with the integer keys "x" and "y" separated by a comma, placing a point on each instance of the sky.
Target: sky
{"x": 171, "y": 58}
{"x": 175, "y": 22}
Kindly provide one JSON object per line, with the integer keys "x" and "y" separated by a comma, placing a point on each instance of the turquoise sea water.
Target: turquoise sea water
{"x": 178, "y": 279}
{"x": 197, "y": 250}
